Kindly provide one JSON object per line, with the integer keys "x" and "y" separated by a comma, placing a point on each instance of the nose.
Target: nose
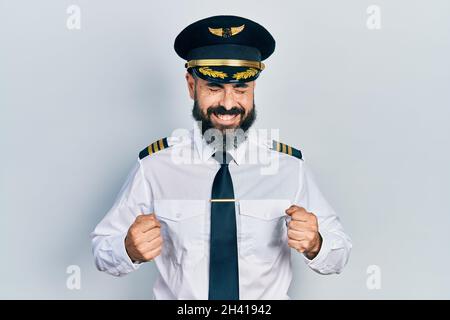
{"x": 228, "y": 99}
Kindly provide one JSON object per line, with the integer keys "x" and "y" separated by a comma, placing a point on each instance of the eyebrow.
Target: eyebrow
{"x": 214, "y": 85}
{"x": 218, "y": 85}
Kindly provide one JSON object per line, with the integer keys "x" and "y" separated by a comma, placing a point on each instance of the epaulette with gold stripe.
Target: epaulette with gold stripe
{"x": 154, "y": 147}
{"x": 281, "y": 147}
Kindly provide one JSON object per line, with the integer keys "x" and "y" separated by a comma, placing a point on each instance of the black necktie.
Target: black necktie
{"x": 223, "y": 263}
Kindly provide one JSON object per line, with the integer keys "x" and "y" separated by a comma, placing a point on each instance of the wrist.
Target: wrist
{"x": 133, "y": 260}
{"x": 311, "y": 254}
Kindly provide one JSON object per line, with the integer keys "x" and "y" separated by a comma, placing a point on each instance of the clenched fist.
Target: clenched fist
{"x": 303, "y": 232}
{"x": 143, "y": 241}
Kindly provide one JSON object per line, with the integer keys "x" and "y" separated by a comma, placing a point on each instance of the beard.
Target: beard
{"x": 231, "y": 136}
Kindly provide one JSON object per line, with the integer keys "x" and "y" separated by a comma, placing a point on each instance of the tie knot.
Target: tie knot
{"x": 222, "y": 157}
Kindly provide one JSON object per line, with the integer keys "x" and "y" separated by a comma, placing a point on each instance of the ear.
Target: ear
{"x": 191, "y": 85}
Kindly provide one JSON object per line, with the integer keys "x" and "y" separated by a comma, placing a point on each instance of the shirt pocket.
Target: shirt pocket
{"x": 183, "y": 229}
{"x": 263, "y": 230}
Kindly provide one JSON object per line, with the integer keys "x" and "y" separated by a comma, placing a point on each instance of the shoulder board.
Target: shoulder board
{"x": 284, "y": 148}
{"x": 156, "y": 146}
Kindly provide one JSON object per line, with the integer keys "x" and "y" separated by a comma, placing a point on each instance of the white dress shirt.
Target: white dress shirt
{"x": 175, "y": 183}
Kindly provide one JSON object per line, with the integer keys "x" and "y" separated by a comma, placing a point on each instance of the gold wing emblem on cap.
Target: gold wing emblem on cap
{"x": 226, "y": 32}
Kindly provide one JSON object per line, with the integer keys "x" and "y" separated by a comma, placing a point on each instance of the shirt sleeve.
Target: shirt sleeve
{"x": 336, "y": 244}
{"x": 108, "y": 237}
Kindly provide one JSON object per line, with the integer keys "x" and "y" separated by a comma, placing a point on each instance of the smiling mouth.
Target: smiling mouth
{"x": 226, "y": 118}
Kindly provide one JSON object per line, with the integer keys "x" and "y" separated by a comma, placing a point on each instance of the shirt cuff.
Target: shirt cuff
{"x": 318, "y": 262}
{"x": 124, "y": 263}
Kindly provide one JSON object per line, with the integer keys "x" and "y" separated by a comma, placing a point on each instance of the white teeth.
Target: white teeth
{"x": 226, "y": 117}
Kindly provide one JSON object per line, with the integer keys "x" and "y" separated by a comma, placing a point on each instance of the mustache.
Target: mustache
{"x": 221, "y": 110}
{"x": 205, "y": 120}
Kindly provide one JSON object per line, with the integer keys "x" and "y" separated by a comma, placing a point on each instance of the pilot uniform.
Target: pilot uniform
{"x": 173, "y": 178}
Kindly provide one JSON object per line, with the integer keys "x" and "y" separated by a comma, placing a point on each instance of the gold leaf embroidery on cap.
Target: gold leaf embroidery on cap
{"x": 250, "y": 72}
{"x": 212, "y": 73}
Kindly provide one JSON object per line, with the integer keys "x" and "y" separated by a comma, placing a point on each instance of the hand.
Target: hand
{"x": 143, "y": 241}
{"x": 303, "y": 232}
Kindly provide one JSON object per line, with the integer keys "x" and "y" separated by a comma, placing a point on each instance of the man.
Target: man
{"x": 205, "y": 206}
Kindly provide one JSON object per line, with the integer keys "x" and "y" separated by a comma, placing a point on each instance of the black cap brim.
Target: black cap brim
{"x": 226, "y": 74}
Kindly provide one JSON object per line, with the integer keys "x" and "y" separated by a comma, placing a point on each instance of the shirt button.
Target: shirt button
{"x": 178, "y": 215}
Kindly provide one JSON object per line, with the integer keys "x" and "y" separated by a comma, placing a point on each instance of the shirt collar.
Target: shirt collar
{"x": 205, "y": 150}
